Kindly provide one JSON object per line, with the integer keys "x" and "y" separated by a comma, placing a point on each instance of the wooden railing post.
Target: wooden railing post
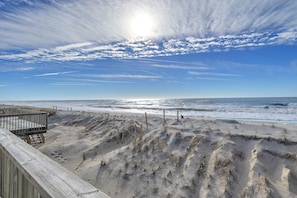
{"x": 26, "y": 172}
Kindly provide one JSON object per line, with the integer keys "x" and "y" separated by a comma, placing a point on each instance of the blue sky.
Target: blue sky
{"x": 98, "y": 49}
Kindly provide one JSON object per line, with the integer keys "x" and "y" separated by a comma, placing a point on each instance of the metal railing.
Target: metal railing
{"x": 27, "y": 173}
{"x": 25, "y": 124}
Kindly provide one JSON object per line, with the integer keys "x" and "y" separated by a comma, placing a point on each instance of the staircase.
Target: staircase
{"x": 35, "y": 139}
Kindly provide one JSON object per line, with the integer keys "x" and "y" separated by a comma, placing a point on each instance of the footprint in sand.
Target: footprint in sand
{"x": 58, "y": 156}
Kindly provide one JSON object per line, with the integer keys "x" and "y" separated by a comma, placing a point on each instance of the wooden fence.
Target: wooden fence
{"x": 27, "y": 173}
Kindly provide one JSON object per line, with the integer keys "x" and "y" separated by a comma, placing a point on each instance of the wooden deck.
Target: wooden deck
{"x": 25, "y": 172}
{"x": 25, "y": 123}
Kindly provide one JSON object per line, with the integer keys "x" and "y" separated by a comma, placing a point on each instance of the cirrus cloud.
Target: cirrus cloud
{"x": 148, "y": 48}
{"x": 87, "y": 30}
{"x": 122, "y": 76}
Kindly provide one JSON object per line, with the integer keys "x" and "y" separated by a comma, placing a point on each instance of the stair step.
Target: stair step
{"x": 34, "y": 140}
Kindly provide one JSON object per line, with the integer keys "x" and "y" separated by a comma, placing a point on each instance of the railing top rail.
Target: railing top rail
{"x": 48, "y": 177}
{"x": 22, "y": 114}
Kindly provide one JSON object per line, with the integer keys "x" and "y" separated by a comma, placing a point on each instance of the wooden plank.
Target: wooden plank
{"x": 48, "y": 177}
{"x": 12, "y": 184}
{"x": 1, "y": 172}
{"x": 20, "y": 184}
{"x": 6, "y": 177}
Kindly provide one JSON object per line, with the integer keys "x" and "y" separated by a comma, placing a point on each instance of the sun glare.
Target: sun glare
{"x": 142, "y": 25}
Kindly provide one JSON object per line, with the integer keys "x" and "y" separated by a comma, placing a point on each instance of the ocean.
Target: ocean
{"x": 249, "y": 109}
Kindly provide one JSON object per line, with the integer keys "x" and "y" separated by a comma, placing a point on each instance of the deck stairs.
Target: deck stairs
{"x": 34, "y": 139}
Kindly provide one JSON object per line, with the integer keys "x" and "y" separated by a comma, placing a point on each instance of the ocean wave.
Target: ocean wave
{"x": 280, "y": 104}
{"x": 275, "y": 109}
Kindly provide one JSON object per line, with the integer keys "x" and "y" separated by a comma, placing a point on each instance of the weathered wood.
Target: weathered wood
{"x": 20, "y": 184}
{"x": 23, "y": 168}
{"x": 25, "y": 124}
{"x": 146, "y": 121}
{"x": 164, "y": 118}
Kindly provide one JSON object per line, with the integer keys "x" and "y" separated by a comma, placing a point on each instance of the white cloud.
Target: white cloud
{"x": 180, "y": 67}
{"x": 11, "y": 68}
{"x": 103, "y": 81}
{"x": 171, "y": 62}
{"x": 212, "y": 74}
{"x": 95, "y": 29}
{"x": 210, "y": 78}
{"x": 24, "y": 68}
{"x": 144, "y": 49}
{"x": 86, "y": 82}
{"x": 63, "y": 84}
{"x": 71, "y": 46}
{"x": 121, "y": 76}
{"x": 54, "y": 73}
{"x": 288, "y": 36}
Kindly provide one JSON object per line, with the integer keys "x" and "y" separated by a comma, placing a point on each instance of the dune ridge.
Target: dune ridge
{"x": 191, "y": 157}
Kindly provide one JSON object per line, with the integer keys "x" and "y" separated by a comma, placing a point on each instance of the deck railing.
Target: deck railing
{"x": 27, "y": 173}
{"x": 24, "y": 124}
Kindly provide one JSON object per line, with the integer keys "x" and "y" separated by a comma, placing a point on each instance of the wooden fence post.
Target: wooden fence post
{"x": 164, "y": 119}
{"x": 146, "y": 121}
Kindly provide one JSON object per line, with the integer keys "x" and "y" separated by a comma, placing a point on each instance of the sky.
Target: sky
{"x": 132, "y": 49}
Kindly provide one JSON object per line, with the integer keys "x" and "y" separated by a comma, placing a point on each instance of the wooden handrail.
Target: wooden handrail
{"x": 25, "y": 172}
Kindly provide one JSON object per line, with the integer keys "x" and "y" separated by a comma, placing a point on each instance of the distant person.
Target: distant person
{"x": 181, "y": 116}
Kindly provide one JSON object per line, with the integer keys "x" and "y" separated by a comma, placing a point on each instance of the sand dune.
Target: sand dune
{"x": 191, "y": 157}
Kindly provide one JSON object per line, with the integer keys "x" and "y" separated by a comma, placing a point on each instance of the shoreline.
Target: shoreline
{"x": 248, "y": 109}
{"x": 160, "y": 114}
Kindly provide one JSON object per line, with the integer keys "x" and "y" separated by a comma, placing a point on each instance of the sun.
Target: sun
{"x": 142, "y": 25}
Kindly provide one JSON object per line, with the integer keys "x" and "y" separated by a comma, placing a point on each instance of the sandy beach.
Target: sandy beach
{"x": 148, "y": 98}
{"x": 190, "y": 157}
